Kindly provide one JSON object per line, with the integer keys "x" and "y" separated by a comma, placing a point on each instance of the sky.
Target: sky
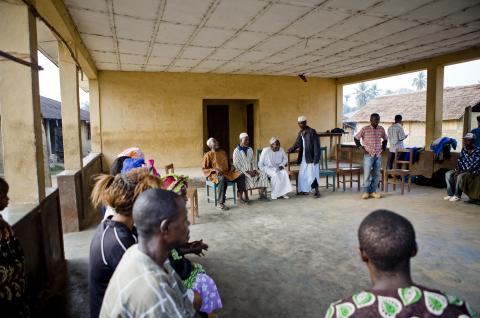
{"x": 50, "y": 80}
{"x": 467, "y": 73}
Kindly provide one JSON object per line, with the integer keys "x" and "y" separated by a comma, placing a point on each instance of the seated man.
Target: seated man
{"x": 244, "y": 161}
{"x": 144, "y": 283}
{"x": 467, "y": 164}
{"x": 387, "y": 243}
{"x": 273, "y": 161}
{"x": 217, "y": 169}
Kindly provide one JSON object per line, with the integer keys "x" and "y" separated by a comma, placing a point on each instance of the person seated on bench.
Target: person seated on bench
{"x": 467, "y": 164}
{"x": 217, "y": 169}
{"x": 387, "y": 243}
{"x": 273, "y": 161}
{"x": 244, "y": 161}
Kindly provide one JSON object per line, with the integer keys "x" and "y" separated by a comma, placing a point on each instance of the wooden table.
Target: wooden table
{"x": 331, "y": 136}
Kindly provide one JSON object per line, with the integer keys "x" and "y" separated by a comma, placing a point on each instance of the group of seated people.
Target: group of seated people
{"x": 146, "y": 215}
{"x": 138, "y": 266}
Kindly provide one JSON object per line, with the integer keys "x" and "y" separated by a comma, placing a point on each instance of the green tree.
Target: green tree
{"x": 362, "y": 94}
{"x": 420, "y": 81}
{"x": 373, "y": 91}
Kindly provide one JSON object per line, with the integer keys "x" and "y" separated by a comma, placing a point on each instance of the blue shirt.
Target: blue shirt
{"x": 476, "y": 132}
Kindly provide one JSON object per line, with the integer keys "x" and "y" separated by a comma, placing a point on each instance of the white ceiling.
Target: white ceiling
{"x": 328, "y": 38}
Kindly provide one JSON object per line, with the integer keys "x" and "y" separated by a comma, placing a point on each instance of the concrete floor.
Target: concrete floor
{"x": 291, "y": 258}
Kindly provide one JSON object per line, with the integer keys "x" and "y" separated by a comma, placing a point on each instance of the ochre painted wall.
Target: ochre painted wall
{"x": 162, "y": 113}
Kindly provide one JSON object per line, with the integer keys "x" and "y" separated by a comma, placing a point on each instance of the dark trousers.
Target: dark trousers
{"x": 223, "y": 183}
{"x": 391, "y": 159}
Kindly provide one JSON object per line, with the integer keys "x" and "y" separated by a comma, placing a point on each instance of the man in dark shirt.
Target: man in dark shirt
{"x": 387, "y": 243}
{"x": 308, "y": 144}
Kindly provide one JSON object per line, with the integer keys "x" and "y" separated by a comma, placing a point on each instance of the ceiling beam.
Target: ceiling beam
{"x": 446, "y": 59}
{"x": 56, "y": 14}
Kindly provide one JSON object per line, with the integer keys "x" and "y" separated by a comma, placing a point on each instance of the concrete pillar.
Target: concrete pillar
{"x": 95, "y": 116}
{"x": 433, "y": 125}
{"x": 20, "y": 105}
{"x": 72, "y": 138}
{"x": 339, "y": 107}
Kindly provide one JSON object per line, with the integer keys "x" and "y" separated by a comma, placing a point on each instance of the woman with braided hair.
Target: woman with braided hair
{"x": 117, "y": 232}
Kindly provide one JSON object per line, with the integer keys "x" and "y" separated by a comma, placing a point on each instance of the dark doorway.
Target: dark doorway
{"x": 218, "y": 125}
{"x": 250, "y": 124}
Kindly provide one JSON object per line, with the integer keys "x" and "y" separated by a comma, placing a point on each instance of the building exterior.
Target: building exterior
{"x": 412, "y": 107}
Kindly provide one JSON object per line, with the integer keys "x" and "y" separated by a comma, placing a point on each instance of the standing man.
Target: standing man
{"x": 308, "y": 157}
{"x": 476, "y": 132}
{"x": 374, "y": 141}
{"x": 273, "y": 161}
{"x": 396, "y": 136}
{"x": 467, "y": 164}
{"x": 217, "y": 169}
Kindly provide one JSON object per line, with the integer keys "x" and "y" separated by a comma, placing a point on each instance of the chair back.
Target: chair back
{"x": 169, "y": 169}
{"x": 400, "y": 160}
{"x": 323, "y": 158}
{"x": 344, "y": 155}
{"x": 259, "y": 152}
{"x": 292, "y": 159}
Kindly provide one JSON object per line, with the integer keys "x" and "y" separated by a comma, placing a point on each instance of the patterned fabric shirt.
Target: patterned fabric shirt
{"x": 469, "y": 161}
{"x": 12, "y": 274}
{"x": 141, "y": 288}
{"x": 372, "y": 139}
{"x": 413, "y": 301}
{"x": 396, "y": 135}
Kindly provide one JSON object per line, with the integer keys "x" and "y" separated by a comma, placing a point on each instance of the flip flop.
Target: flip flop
{"x": 223, "y": 207}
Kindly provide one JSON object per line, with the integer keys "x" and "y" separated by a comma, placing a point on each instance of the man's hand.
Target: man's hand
{"x": 197, "y": 247}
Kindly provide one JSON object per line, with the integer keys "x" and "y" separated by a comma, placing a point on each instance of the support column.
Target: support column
{"x": 20, "y": 105}
{"x": 72, "y": 138}
{"x": 95, "y": 116}
{"x": 339, "y": 106}
{"x": 434, "y": 115}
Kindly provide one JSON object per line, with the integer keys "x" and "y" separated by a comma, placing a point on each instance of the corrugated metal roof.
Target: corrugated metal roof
{"x": 51, "y": 109}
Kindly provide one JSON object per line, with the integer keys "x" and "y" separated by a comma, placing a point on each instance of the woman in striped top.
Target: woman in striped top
{"x": 116, "y": 233}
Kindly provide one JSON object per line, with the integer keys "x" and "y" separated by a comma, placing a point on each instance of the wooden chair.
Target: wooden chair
{"x": 350, "y": 170}
{"x": 169, "y": 169}
{"x": 324, "y": 171}
{"x": 210, "y": 184}
{"x": 192, "y": 195}
{"x": 292, "y": 167}
{"x": 398, "y": 171}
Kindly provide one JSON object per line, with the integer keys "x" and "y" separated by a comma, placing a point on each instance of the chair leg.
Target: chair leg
{"x": 195, "y": 199}
{"x": 338, "y": 180}
{"x": 343, "y": 181}
{"x": 351, "y": 181}
{"x": 333, "y": 183}
{"x": 234, "y": 193}
{"x": 403, "y": 185}
{"x": 394, "y": 182}
{"x": 215, "y": 194}
{"x": 326, "y": 180}
{"x": 208, "y": 194}
{"x": 409, "y": 183}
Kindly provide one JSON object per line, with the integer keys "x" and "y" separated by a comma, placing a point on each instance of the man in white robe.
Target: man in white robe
{"x": 273, "y": 161}
{"x": 308, "y": 144}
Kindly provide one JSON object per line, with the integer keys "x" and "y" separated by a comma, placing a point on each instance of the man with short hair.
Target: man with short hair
{"x": 396, "y": 136}
{"x": 476, "y": 132}
{"x": 387, "y": 243}
{"x": 144, "y": 284}
{"x": 273, "y": 161}
{"x": 217, "y": 168}
{"x": 374, "y": 141}
{"x": 467, "y": 164}
{"x": 308, "y": 144}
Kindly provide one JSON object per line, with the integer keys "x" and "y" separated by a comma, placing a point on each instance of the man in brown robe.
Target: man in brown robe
{"x": 216, "y": 168}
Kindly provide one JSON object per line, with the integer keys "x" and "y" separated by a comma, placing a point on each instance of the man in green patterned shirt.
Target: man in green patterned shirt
{"x": 387, "y": 242}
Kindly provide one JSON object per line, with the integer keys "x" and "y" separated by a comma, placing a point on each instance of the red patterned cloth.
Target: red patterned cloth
{"x": 372, "y": 139}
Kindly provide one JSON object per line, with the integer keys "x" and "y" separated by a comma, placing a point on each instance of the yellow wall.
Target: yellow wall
{"x": 162, "y": 113}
